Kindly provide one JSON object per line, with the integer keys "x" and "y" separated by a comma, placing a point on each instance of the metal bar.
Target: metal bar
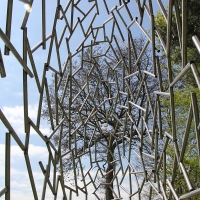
{"x": 190, "y": 194}
{"x": 40, "y": 43}
{"x": 41, "y": 96}
{"x": 184, "y": 32}
{"x": 196, "y": 42}
{"x": 196, "y": 74}
{"x": 186, "y": 134}
{"x": 196, "y": 121}
{"x": 49, "y": 103}
{"x": 178, "y": 22}
{"x": 172, "y": 189}
{"x": 144, "y": 31}
{"x": 44, "y": 24}
{"x": 8, "y": 24}
{"x": 137, "y": 106}
{"x": 2, "y": 68}
{"x": 33, "y": 66}
{"x": 169, "y": 25}
{"x": 30, "y": 173}
{"x": 25, "y": 83}
{"x": 7, "y": 167}
{"x": 181, "y": 74}
{"x": 185, "y": 174}
{"x": 26, "y": 16}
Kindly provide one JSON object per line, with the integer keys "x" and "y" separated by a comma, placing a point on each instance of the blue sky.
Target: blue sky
{"x": 11, "y": 96}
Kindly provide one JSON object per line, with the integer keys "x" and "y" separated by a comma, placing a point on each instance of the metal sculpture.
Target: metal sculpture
{"x": 101, "y": 102}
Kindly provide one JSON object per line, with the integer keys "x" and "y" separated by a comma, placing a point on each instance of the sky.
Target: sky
{"x": 11, "y": 87}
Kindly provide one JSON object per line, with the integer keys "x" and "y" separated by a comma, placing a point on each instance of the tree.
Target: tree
{"x": 182, "y": 94}
{"x": 100, "y": 105}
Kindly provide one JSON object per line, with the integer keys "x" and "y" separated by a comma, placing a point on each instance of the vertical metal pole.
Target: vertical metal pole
{"x": 196, "y": 121}
{"x": 8, "y": 24}
{"x": 7, "y": 166}
{"x": 43, "y": 24}
{"x": 25, "y": 83}
{"x": 184, "y": 32}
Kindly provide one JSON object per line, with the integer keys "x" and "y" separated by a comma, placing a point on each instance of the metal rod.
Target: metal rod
{"x": 7, "y": 167}
{"x": 2, "y": 67}
{"x": 44, "y": 24}
{"x": 181, "y": 74}
{"x": 8, "y": 24}
{"x": 196, "y": 42}
{"x": 196, "y": 74}
{"x": 3, "y": 191}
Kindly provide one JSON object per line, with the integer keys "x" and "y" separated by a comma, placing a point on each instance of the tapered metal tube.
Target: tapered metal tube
{"x": 196, "y": 42}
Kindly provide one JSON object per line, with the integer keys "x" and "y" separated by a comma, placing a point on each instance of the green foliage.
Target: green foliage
{"x": 182, "y": 95}
{"x": 193, "y": 28}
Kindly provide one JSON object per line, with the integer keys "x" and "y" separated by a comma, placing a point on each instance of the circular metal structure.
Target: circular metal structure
{"x": 104, "y": 78}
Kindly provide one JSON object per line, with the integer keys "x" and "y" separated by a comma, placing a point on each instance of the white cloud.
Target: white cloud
{"x": 15, "y": 115}
{"x": 20, "y": 183}
{"x": 34, "y": 152}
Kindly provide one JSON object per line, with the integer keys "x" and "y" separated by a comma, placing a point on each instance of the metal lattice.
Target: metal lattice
{"x": 107, "y": 110}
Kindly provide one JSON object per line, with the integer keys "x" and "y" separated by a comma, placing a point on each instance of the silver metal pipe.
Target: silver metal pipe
{"x": 33, "y": 66}
{"x": 58, "y": 53}
{"x": 142, "y": 52}
{"x": 144, "y": 31}
{"x": 118, "y": 27}
{"x": 172, "y": 189}
{"x": 149, "y": 73}
{"x": 56, "y": 128}
{"x": 169, "y": 27}
{"x": 49, "y": 103}
{"x": 162, "y": 9}
{"x": 185, "y": 174}
{"x": 2, "y": 67}
{"x": 190, "y": 194}
{"x": 162, "y": 93}
{"x": 196, "y": 121}
{"x": 43, "y": 24}
{"x": 159, "y": 73}
{"x": 40, "y": 43}
{"x": 26, "y": 16}
{"x": 186, "y": 134}
{"x": 3, "y": 191}
{"x": 127, "y": 10}
{"x": 25, "y": 1}
{"x": 30, "y": 173}
{"x": 178, "y": 22}
{"x": 8, "y": 24}
{"x": 196, "y": 74}
{"x": 184, "y": 31}
{"x": 163, "y": 191}
{"x": 7, "y": 167}
{"x": 161, "y": 40}
{"x": 137, "y": 106}
{"x": 181, "y": 74}
{"x": 196, "y": 42}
